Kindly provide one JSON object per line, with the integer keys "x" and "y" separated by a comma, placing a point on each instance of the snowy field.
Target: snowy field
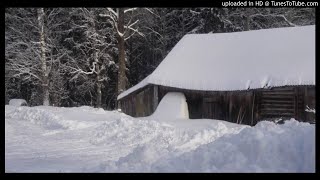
{"x": 85, "y": 139}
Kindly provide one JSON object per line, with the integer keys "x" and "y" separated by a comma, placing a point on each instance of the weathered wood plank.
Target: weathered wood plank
{"x": 284, "y": 93}
{"x": 211, "y": 99}
{"x": 279, "y": 101}
{"x": 277, "y": 109}
{"x": 276, "y": 114}
{"x": 277, "y": 89}
{"x": 276, "y": 101}
{"x": 277, "y": 105}
{"x": 278, "y": 97}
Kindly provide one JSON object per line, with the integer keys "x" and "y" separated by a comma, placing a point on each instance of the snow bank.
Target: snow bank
{"x": 238, "y": 61}
{"x": 148, "y": 141}
{"x": 39, "y": 117}
{"x": 265, "y": 148}
{"x": 48, "y": 118}
{"x": 172, "y": 106}
{"x": 18, "y": 102}
{"x": 85, "y": 139}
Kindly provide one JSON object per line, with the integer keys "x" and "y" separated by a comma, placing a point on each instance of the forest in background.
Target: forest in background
{"x": 87, "y": 56}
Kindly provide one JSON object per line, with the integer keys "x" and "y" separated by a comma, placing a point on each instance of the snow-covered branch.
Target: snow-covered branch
{"x": 114, "y": 22}
{"x": 308, "y": 109}
{"x": 129, "y": 10}
{"x": 135, "y": 31}
{"x": 274, "y": 15}
{"x": 103, "y": 79}
{"x": 113, "y": 12}
{"x": 92, "y": 70}
{"x": 130, "y": 26}
{"x": 152, "y": 12}
{"x": 154, "y": 32}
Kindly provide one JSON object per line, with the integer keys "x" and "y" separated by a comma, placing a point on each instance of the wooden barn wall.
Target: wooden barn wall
{"x": 286, "y": 102}
{"x": 232, "y": 106}
{"x": 247, "y": 107}
{"x": 140, "y": 103}
{"x": 310, "y": 100}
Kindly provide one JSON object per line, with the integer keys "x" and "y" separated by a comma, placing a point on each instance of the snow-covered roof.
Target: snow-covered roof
{"x": 238, "y": 61}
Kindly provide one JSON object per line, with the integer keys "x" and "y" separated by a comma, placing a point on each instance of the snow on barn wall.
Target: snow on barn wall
{"x": 229, "y": 66}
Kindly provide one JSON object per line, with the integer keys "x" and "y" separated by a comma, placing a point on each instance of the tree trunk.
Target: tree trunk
{"x": 98, "y": 83}
{"x": 45, "y": 80}
{"x": 247, "y": 25}
{"x": 98, "y": 94}
{"x": 122, "y": 63}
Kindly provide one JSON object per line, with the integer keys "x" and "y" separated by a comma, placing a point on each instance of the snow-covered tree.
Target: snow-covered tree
{"x": 125, "y": 28}
{"x": 43, "y": 59}
{"x": 30, "y": 55}
{"x": 87, "y": 56}
{"x": 92, "y": 52}
{"x": 240, "y": 19}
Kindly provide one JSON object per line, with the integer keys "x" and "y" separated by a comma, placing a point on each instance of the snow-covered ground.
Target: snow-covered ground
{"x": 85, "y": 139}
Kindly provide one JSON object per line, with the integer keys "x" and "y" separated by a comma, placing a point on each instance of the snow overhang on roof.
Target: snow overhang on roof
{"x": 238, "y": 61}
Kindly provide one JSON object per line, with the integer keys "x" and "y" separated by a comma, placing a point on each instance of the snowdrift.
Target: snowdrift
{"x": 84, "y": 139}
{"x": 18, "y": 102}
{"x": 172, "y": 106}
{"x": 265, "y": 148}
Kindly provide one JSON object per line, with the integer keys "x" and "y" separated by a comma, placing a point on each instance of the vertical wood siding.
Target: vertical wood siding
{"x": 244, "y": 107}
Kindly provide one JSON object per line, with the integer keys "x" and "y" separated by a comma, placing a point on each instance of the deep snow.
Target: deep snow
{"x": 85, "y": 139}
{"x": 238, "y": 61}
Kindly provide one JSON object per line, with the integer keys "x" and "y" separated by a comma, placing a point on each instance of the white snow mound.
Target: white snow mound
{"x": 18, "y": 102}
{"x": 172, "y": 106}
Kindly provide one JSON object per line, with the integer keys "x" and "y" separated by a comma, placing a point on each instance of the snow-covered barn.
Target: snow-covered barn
{"x": 240, "y": 77}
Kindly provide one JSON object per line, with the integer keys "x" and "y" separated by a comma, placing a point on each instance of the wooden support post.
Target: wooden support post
{"x": 305, "y": 103}
{"x": 155, "y": 97}
{"x": 252, "y": 108}
{"x": 295, "y": 103}
{"x": 257, "y": 110}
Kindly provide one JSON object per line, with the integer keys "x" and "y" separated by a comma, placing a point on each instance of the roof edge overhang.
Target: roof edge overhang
{"x": 179, "y": 88}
